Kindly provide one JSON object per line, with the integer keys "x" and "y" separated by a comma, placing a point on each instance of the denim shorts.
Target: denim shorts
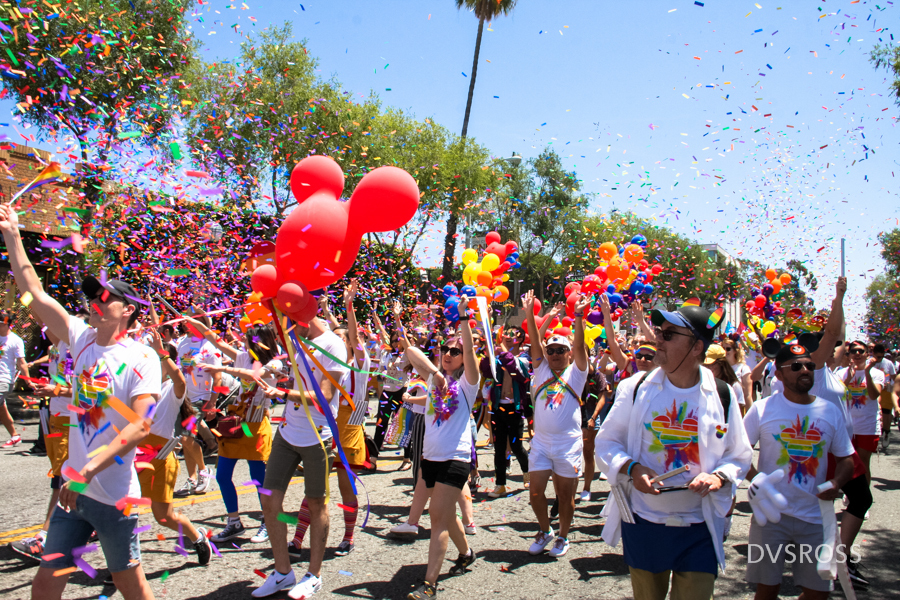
{"x": 71, "y": 530}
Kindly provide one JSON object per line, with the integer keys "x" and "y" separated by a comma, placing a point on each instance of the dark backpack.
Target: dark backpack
{"x": 721, "y": 387}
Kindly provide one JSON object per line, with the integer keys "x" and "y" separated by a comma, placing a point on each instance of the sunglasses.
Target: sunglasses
{"x": 728, "y": 349}
{"x": 668, "y": 334}
{"x": 857, "y": 351}
{"x": 642, "y": 356}
{"x": 797, "y": 366}
{"x": 557, "y": 350}
{"x": 454, "y": 351}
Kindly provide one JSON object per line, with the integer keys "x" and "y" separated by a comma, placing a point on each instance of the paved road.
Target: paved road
{"x": 382, "y": 567}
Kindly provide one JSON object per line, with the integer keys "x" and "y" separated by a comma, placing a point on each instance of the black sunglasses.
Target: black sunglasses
{"x": 666, "y": 334}
{"x": 642, "y": 356}
{"x": 557, "y": 350}
{"x": 454, "y": 351}
{"x": 797, "y": 366}
{"x": 857, "y": 351}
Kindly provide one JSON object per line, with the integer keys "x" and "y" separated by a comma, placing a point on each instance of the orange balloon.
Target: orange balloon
{"x": 501, "y": 293}
{"x": 785, "y": 278}
{"x": 612, "y": 272}
{"x": 633, "y": 253}
{"x": 776, "y": 286}
{"x": 771, "y": 274}
{"x": 484, "y": 278}
{"x": 607, "y": 250}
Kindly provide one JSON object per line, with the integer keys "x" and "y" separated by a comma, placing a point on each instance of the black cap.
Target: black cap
{"x": 694, "y": 318}
{"x": 790, "y": 352}
{"x": 91, "y": 287}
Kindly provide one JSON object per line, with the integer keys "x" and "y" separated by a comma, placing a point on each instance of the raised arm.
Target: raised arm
{"x": 229, "y": 351}
{"x": 326, "y": 312}
{"x": 51, "y": 312}
{"x": 637, "y": 310}
{"x": 154, "y": 317}
{"x": 537, "y": 347}
{"x": 382, "y": 333}
{"x": 580, "y": 350}
{"x": 179, "y": 384}
{"x": 832, "y": 331}
{"x": 469, "y": 360}
{"x": 614, "y": 350}
{"x": 352, "y": 327}
{"x": 551, "y": 314}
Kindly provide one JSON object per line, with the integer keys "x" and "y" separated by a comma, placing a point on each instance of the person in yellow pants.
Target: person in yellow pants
{"x": 159, "y": 474}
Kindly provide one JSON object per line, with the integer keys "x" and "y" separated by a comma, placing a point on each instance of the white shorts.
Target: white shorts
{"x": 563, "y": 456}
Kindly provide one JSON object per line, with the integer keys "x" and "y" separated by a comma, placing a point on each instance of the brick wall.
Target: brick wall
{"x": 18, "y": 167}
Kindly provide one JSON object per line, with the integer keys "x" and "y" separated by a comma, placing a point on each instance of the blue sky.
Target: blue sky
{"x": 760, "y": 126}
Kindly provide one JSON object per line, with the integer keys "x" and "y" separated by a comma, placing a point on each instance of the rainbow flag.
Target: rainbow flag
{"x": 51, "y": 173}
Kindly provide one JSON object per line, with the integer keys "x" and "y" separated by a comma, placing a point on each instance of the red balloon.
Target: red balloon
{"x": 563, "y": 331}
{"x": 307, "y": 313}
{"x": 567, "y": 322}
{"x": 573, "y": 286}
{"x": 570, "y": 305}
{"x": 511, "y": 247}
{"x": 537, "y": 307}
{"x": 265, "y": 280}
{"x": 644, "y": 264}
{"x": 657, "y": 269}
{"x": 318, "y": 242}
{"x": 292, "y": 297}
{"x": 760, "y": 301}
{"x": 601, "y": 273}
{"x": 472, "y": 323}
{"x": 498, "y": 249}
{"x": 491, "y": 238}
{"x": 591, "y": 284}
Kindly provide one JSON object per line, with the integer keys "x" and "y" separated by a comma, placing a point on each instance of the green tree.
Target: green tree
{"x": 883, "y": 310}
{"x": 485, "y": 10}
{"x": 888, "y": 56}
{"x": 101, "y": 70}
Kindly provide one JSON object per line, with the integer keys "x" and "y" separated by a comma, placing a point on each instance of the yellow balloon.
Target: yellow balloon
{"x": 768, "y": 327}
{"x": 591, "y": 334}
{"x": 490, "y": 262}
{"x": 470, "y": 273}
{"x": 469, "y": 255}
{"x": 504, "y": 278}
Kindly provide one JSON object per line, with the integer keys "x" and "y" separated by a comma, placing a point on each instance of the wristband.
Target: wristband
{"x": 579, "y": 315}
{"x": 630, "y": 467}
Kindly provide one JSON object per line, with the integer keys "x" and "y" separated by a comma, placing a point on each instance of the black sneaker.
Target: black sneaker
{"x": 32, "y": 547}
{"x": 202, "y": 547}
{"x": 424, "y": 591}
{"x": 462, "y": 562}
{"x": 343, "y": 549}
{"x": 232, "y": 530}
{"x": 855, "y": 575}
{"x": 37, "y": 451}
{"x": 294, "y": 550}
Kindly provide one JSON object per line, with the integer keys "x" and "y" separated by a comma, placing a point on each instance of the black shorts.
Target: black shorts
{"x": 454, "y": 473}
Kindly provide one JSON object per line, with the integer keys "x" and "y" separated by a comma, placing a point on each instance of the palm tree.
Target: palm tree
{"x": 485, "y": 10}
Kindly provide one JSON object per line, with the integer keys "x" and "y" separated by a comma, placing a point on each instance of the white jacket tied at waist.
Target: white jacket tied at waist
{"x": 619, "y": 440}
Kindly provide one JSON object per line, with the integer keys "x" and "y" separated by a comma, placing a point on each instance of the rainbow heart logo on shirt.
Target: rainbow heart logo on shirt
{"x": 802, "y": 446}
{"x": 675, "y": 435}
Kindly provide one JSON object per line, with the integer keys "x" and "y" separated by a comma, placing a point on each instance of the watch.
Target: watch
{"x": 721, "y": 477}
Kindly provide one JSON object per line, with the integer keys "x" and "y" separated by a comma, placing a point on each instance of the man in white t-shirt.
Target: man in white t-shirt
{"x": 795, "y": 431}
{"x": 12, "y": 359}
{"x": 116, "y": 384}
{"x": 887, "y": 399}
{"x": 677, "y": 421}
{"x": 864, "y": 384}
{"x": 296, "y": 442}
{"x": 560, "y": 371}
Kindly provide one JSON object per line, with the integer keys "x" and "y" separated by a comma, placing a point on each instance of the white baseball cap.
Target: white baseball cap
{"x": 559, "y": 340}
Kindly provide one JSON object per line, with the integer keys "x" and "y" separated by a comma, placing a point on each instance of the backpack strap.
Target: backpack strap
{"x": 722, "y": 388}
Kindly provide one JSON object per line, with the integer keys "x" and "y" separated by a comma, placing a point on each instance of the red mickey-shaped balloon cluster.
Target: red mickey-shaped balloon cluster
{"x": 318, "y": 242}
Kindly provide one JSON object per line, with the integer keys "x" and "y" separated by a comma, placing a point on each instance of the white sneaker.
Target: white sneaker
{"x": 405, "y": 529}
{"x": 470, "y": 529}
{"x": 204, "y": 481}
{"x": 275, "y": 583}
{"x": 540, "y": 542}
{"x": 584, "y": 496}
{"x": 309, "y": 585}
{"x": 560, "y": 547}
{"x": 602, "y": 476}
{"x": 261, "y": 535}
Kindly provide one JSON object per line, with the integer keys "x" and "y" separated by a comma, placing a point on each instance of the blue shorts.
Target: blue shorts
{"x": 71, "y": 530}
{"x": 657, "y": 548}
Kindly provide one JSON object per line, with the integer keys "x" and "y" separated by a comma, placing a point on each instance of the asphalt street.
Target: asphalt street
{"x": 386, "y": 567}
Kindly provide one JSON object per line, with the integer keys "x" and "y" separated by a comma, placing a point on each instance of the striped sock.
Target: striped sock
{"x": 350, "y": 519}
{"x": 302, "y": 524}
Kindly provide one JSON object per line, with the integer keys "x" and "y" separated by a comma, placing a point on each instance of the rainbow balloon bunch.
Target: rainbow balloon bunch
{"x": 488, "y": 276}
{"x": 622, "y": 276}
{"x": 761, "y": 305}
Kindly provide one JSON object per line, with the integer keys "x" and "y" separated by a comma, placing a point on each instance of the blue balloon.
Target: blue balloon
{"x": 451, "y": 314}
{"x": 451, "y": 302}
{"x": 514, "y": 256}
{"x": 610, "y": 289}
{"x": 450, "y": 290}
{"x": 468, "y": 291}
{"x": 615, "y": 298}
{"x": 648, "y": 289}
{"x": 639, "y": 240}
